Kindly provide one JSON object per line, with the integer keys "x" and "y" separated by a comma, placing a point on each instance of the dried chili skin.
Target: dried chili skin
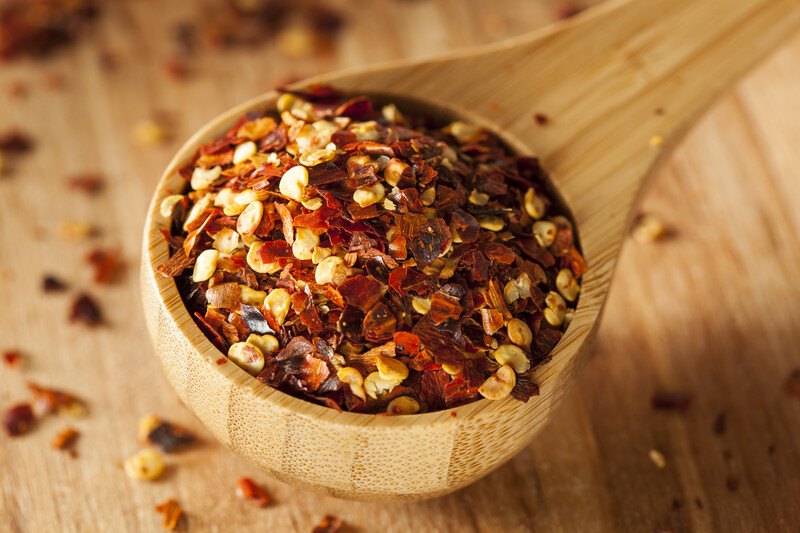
{"x": 18, "y": 419}
{"x": 399, "y": 240}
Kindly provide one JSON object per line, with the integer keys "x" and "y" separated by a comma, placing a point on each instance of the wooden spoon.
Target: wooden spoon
{"x": 620, "y": 84}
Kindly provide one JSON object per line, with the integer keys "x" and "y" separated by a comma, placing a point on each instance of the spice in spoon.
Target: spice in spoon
{"x": 371, "y": 261}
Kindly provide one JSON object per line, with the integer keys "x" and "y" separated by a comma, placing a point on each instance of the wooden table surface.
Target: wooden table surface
{"x": 713, "y": 312}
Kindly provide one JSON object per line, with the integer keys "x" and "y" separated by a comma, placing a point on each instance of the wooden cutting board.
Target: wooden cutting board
{"x": 713, "y": 312}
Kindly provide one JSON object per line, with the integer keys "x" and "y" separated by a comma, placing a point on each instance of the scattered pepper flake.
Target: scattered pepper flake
{"x": 47, "y": 401}
{"x": 51, "y": 284}
{"x": 18, "y": 419}
{"x": 150, "y": 132}
{"x": 329, "y": 524}
{"x": 88, "y": 183}
{"x": 86, "y": 311}
{"x": 14, "y": 142}
{"x": 107, "y": 264}
{"x": 541, "y": 119}
{"x": 65, "y": 439}
{"x": 165, "y": 435}
{"x": 248, "y": 490}
{"x": 671, "y": 401}
{"x": 171, "y": 514}
{"x": 12, "y": 358}
{"x": 720, "y": 423}
{"x": 77, "y": 230}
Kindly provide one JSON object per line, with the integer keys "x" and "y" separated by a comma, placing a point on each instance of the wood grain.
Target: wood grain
{"x": 712, "y": 312}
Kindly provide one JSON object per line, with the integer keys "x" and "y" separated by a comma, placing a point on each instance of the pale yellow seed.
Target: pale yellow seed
{"x": 365, "y": 131}
{"x": 656, "y": 140}
{"x": 320, "y": 253}
{"x": 403, "y": 405}
{"x": 226, "y": 241}
{"x": 248, "y": 221}
{"x": 304, "y": 243}
{"x": 146, "y": 465}
{"x": 353, "y": 378}
{"x": 366, "y": 196}
{"x": 391, "y": 113}
{"x": 312, "y": 204}
{"x": 478, "y": 198}
{"x": 492, "y": 223}
{"x": 390, "y": 368}
{"x": 251, "y": 296}
{"x": 146, "y": 425}
{"x": 319, "y": 156}
{"x": 519, "y": 333}
{"x": 331, "y": 270}
{"x": 567, "y": 285}
{"x": 255, "y": 262}
{"x": 649, "y": 229}
{"x": 462, "y": 131}
{"x": 293, "y": 182}
{"x": 202, "y": 178}
{"x": 197, "y": 209}
{"x": 244, "y": 151}
{"x": 389, "y": 205}
{"x": 556, "y": 309}
{"x": 500, "y": 384}
{"x": 514, "y": 356}
{"x": 545, "y": 232}
{"x": 247, "y": 196}
{"x": 376, "y": 387}
{"x": 205, "y": 265}
{"x": 421, "y": 305}
{"x": 278, "y": 302}
{"x": 394, "y": 171}
{"x": 428, "y": 196}
{"x": 451, "y": 369}
{"x": 247, "y": 356}
{"x": 658, "y": 459}
{"x": 534, "y": 204}
{"x": 266, "y": 343}
{"x": 168, "y": 204}
{"x": 519, "y": 287}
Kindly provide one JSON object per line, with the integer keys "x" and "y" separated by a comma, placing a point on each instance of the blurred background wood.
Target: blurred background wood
{"x": 712, "y": 312}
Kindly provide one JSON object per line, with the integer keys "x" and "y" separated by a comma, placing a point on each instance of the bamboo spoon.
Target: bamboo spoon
{"x": 621, "y": 84}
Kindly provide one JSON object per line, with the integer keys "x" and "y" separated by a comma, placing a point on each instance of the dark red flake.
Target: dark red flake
{"x": 53, "y": 284}
{"x": 107, "y": 264}
{"x": 444, "y": 307}
{"x": 361, "y": 291}
{"x": 247, "y": 489}
{"x": 15, "y": 142}
{"x": 18, "y": 419}
{"x": 12, "y": 358}
{"x": 430, "y": 241}
{"x": 170, "y": 437}
{"x": 541, "y": 119}
{"x": 91, "y": 184}
{"x": 85, "y": 311}
{"x": 379, "y": 324}
{"x": 671, "y": 401}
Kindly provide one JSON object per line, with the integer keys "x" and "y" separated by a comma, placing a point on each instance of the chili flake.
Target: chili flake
{"x": 18, "y": 419}
{"x": 51, "y": 283}
{"x": 329, "y": 524}
{"x": 85, "y": 310}
{"x": 171, "y": 514}
{"x": 369, "y": 261}
{"x": 12, "y": 358}
{"x": 65, "y": 439}
{"x": 248, "y": 490}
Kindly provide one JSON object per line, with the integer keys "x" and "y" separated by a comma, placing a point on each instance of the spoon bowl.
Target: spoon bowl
{"x": 620, "y": 85}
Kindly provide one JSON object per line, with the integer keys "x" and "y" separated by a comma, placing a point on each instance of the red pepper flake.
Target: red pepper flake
{"x": 541, "y": 119}
{"x": 47, "y": 401}
{"x": 222, "y": 361}
{"x": 248, "y": 490}
{"x": 329, "y": 524}
{"x": 171, "y": 514}
{"x": 168, "y": 436}
{"x": 52, "y": 284}
{"x": 720, "y": 423}
{"x": 65, "y": 439}
{"x": 15, "y": 142}
{"x": 12, "y": 358}
{"x": 671, "y": 401}
{"x": 792, "y": 384}
{"x": 18, "y": 419}
{"x": 90, "y": 184}
{"x": 85, "y": 311}
{"x": 176, "y": 68}
{"x": 107, "y": 264}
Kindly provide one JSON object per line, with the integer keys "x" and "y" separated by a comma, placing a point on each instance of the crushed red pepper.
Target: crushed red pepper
{"x": 90, "y": 184}
{"x": 12, "y": 358}
{"x": 85, "y": 310}
{"x": 18, "y": 419}
{"x": 52, "y": 284}
{"x": 65, "y": 439}
{"x": 329, "y": 524}
{"x": 171, "y": 514}
{"x": 355, "y": 257}
{"x": 247, "y": 489}
{"x": 38, "y": 28}
{"x": 107, "y": 264}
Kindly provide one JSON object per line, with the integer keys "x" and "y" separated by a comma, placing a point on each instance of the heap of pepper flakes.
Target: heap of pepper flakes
{"x": 356, "y": 257}
{"x": 37, "y": 28}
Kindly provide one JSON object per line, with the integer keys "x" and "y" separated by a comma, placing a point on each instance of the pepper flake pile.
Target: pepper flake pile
{"x": 364, "y": 260}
